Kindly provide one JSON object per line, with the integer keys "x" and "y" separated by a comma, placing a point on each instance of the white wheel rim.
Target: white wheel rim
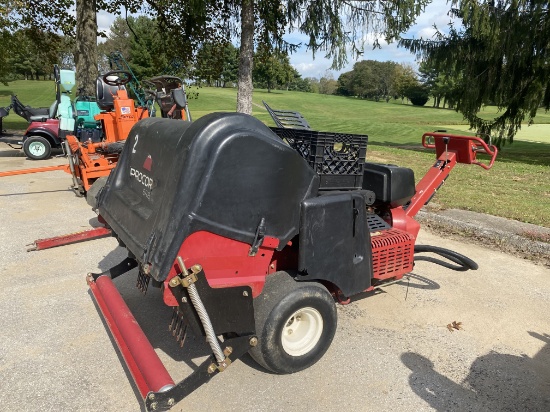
{"x": 37, "y": 148}
{"x": 302, "y": 331}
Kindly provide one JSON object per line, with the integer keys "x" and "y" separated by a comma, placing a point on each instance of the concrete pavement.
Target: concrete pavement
{"x": 392, "y": 350}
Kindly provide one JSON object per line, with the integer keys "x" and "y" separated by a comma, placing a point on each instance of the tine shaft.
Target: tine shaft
{"x": 173, "y": 320}
{"x": 184, "y": 336}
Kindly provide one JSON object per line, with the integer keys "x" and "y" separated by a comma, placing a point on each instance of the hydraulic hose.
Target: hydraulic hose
{"x": 463, "y": 263}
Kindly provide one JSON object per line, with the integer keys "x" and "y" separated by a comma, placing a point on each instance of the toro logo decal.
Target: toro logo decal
{"x": 141, "y": 178}
{"x": 148, "y": 163}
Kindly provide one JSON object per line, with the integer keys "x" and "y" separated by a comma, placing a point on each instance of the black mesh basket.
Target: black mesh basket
{"x": 338, "y": 158}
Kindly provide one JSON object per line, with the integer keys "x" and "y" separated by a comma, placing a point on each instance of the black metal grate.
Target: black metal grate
{"x": 376, "y": 223}
{"x": 287, "y": 118}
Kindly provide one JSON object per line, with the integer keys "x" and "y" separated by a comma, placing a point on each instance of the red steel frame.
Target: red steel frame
{"x": 450, "y": 150}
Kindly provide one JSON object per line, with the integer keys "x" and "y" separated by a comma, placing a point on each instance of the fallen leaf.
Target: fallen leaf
{"x": 454, "y": 325}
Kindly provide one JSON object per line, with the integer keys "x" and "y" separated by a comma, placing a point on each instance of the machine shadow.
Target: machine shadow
{"x": 418, "y": 282}
{"x": 496, "y": 382}
{"x": 11, "y": 153}
{"x": 56, "y": 152}
{"x": 34, "y": 193}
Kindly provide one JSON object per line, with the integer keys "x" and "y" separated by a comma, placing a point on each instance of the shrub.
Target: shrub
{"x": 418, "y": 95}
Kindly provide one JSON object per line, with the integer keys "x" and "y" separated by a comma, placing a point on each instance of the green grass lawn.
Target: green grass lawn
{"x": 518, "y": 186}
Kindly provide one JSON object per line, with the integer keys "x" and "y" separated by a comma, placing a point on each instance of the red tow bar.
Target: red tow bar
{"x": 144, "y": 364}
{"x": 62, "y": 240}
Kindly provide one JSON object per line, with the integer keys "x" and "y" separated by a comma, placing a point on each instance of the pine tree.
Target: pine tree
{"x": 499, "y": 56}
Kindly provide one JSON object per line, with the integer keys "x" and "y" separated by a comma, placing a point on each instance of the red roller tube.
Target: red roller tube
{"x": 144, "y": 364}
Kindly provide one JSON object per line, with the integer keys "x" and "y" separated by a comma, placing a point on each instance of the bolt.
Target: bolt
{"x": 154, "y": 406}
{"x": 289, "y": 332}
{"x": 212, "y": 368}
{"x": 228, "y": 351}
{"x": 151, "y": 396}
{"x": 196, "y": 268}
{"x": 174, "y": 282}
{"x": 184, "y": 299}
{"x": 147, "y": 268}
{"x": 272, "y": 266}
{"x": 171, "y": 402}
{"x": 253, "y": 341}
{"x": 245, "y": 293}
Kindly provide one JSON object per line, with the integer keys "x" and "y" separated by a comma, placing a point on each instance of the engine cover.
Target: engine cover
{"x": 221, "y": 174}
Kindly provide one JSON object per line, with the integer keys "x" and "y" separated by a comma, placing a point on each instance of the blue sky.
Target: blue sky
{"x": 435, "y": 13}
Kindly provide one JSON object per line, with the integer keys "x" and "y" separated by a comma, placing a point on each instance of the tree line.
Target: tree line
{"x": 332, "y": 27}
{"x": 139, "y": 40}
{"x": 497, "y": 53}
{"x": 383, "y": 81}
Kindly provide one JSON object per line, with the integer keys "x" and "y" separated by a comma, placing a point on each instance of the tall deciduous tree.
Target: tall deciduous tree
{"x": 39, "y": 19}
{"x": 369, "y": 79}
{"x": 327, "y": 84}
{"x": 272, "y": 69}
{"x": 217, "y": 64}
{"x": 86, "y": 46}
{"x": 333, "y": 27}
{"x": 403, "y": 80}
{"x": 5, "y": 38}
{"x": 499, "y": 56}
{"x": 33, "y": 53}
{"x": 440, "y": 84}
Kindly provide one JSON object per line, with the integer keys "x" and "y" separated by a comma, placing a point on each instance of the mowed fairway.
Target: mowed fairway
{"x": 518, "y": 186}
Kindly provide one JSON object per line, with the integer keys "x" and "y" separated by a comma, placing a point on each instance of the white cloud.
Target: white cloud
{"x": 426, "y": 33}
{"x": 104, "y": 21}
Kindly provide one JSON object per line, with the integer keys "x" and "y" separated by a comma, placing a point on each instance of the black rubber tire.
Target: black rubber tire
{"x": 93, "y": 193}
{"x": 281, "y": 298}
{"x": 37, "y": 140}
{"x": 115, "y": 147}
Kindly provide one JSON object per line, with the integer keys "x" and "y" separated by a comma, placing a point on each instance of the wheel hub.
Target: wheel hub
{"x": 37, "y": 148}
{"x": 302, "y": 331}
